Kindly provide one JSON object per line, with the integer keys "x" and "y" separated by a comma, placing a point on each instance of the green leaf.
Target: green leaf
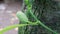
{"x": 26, "y": 2}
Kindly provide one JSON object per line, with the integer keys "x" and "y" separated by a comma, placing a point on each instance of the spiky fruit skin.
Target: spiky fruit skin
{"x": 22, "y": 17}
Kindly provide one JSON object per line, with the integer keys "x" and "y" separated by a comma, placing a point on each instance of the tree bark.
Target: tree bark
{"x": 47, "y": 11}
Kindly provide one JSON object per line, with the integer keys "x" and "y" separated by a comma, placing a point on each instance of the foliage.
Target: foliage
{"x": 14, "y": 26}
{"x": 33, "y": 18}
{"x": 48, "y": 12}
{"x": 21, "y": 16}
{"x": 37, "y": 11}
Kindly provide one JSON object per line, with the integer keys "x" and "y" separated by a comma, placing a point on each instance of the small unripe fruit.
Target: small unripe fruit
{"x": 22, "y": 17}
